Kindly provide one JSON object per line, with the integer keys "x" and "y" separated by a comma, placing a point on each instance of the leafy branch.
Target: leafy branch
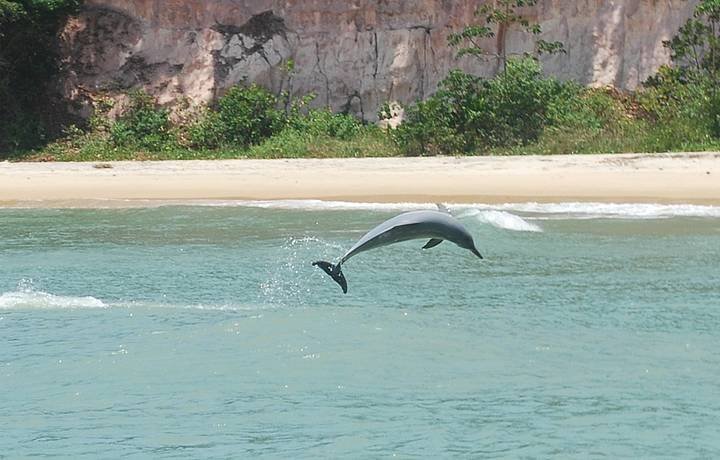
{"x": 696, "y": 47}
{"x": 497, "y": 19}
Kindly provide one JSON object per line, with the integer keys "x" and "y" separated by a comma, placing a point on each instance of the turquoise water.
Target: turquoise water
{"x": 204, "y": 332}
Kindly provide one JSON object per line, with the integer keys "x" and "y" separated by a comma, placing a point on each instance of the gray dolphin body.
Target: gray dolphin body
{"x": 435, "y": 225}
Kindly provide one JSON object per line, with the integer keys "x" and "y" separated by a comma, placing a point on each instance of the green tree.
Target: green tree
{"x": 498, "y": 18}
{"x": 689, "y": 90}
{"x": 28, "y": 62}
{"x": 696, "y": 47}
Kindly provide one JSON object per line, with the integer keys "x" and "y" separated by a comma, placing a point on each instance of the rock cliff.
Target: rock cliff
{"x": 353, "y": 54}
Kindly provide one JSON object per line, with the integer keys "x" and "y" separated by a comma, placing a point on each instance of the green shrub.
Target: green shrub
{"x": 369, "y": 141}
{"x": 589, "y": 120}
{"x": 519, "y": 111}
{"x": 244, "y": 116}
{"x": 323, "y": 122}
{"x": 142, "y": 124}
{"x": 447, "y": 121}
{"x": 207, "y": 132}
{"x": 683, "y": 112}
{"x": 667, "y": 116}
{"x": 469, "y": 114}
{"x": 517, "y": 104}
{"x": 429, "y": 129}
{"x": 288, "y": 143}
{"x": 248, "y": 116}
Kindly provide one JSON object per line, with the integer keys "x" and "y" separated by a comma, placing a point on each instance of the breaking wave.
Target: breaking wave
{"x": 613, "y": 210}
{"x": 565, "y": 210}
{"x": 503, "y": 220}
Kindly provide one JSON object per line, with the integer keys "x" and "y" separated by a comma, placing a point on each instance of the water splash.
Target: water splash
{"x": 287, "y": 282}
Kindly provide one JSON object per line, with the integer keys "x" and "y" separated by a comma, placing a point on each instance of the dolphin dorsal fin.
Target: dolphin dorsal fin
{"x": 442, "y": 208}
{"x": 432, "y": 243}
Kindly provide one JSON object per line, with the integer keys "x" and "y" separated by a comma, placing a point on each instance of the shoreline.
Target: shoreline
{"x": 677, "y": 178}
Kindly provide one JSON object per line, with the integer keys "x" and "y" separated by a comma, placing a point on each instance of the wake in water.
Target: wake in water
{"x": 39, "y": 300}
{"x": 27, "y": 298}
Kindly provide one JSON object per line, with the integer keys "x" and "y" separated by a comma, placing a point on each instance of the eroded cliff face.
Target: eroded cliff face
{"x": 354, "y": 55}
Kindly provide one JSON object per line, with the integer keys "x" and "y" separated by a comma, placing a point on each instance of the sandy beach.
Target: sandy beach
{"x": 658, "y": 178}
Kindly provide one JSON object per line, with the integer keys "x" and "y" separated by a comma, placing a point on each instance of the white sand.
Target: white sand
{"x": 658, "y": 178}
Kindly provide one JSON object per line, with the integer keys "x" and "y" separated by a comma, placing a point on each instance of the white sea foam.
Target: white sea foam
{"x": 503, "y": 220}
{"x": 321, "y": 205}
{"x": 613, "y": 210}
{"x": 25, "y": 299}
{"x": 567, "y": 210}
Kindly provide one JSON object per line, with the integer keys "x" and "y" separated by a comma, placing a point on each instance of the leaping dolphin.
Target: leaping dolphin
{"x": 435, "y": 225}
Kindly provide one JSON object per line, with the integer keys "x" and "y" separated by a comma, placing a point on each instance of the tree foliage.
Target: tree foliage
{"x": 689, "y": 89}
{"x": 28, "y": 61}
{"x": 497, "y": 17}
{"x": 696, "y": 47}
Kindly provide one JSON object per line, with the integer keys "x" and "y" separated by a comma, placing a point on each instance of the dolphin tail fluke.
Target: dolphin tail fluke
{"x": 335, "y": 273}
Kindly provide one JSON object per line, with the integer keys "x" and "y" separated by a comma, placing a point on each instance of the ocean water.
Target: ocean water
{"x": 203, "y": 331}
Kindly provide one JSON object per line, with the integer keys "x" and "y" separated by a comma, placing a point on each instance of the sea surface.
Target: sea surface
{"x": 203, "y": 331}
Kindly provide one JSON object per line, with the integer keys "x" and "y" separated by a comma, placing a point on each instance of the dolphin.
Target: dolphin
{"x": 435, "y": 225}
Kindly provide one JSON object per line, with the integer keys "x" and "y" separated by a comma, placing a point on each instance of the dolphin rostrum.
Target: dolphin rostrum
{"x": 435, "y": 225}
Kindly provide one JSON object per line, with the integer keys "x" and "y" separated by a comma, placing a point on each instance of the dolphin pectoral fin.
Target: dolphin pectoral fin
{"x": 432, "y": 243}
{"x": 442, "y": 208}
{"x": 335, "y": 273}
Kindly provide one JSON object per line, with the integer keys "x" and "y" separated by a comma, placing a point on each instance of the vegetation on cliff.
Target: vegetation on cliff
{"x": 523, "y": 112}
{"x": 520, "y": 111}
{"x": 248, "y": 122}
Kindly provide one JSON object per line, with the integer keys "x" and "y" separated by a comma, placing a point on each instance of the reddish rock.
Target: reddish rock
{"x": 354, "y": 54}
